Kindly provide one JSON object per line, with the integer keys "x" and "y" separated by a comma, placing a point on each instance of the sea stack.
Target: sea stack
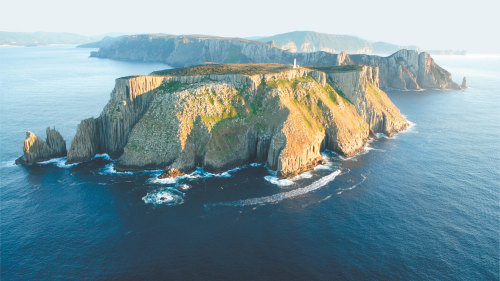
{"x": 464, "y": 83}
{"x": 36, "y": 150}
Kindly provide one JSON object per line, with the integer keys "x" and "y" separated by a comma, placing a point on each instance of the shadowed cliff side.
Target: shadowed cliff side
{"x": 109, "y": 132}
{"x": 220, "y": 116}
{"x": 405, "y": 69}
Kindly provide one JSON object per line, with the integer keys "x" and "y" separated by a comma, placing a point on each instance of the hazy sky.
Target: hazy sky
{"x": 430, "y": 24}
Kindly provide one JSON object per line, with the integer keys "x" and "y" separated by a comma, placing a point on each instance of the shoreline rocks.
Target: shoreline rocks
{"x": 172, "y": 173}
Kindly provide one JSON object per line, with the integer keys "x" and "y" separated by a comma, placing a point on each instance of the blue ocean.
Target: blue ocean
{"x": 422, "y": 205}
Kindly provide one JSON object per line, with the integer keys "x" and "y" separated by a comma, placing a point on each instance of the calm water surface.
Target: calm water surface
{"x": 422, "y": 205}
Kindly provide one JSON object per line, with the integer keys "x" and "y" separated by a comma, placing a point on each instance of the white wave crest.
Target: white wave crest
{"x": 280, "y": 196}
{"x": 328, "y": 163}
{"x": 167, "y": 196}
{"x": 109, "y": 169}
{"x": 184, "y": 187}
{"x": 277, "y": 181}
{"x": 59, "y": 162}
{"x": 287, "y": 182}
{"x": 104, "y": 156}
{"x": 198, "y": 173}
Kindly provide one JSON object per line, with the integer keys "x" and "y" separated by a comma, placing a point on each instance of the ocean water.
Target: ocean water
{"x": 424, "y": 204}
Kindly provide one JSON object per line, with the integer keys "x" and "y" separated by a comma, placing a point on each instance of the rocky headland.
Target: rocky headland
{"x": 220, "y": 116}
{"x": 404, "y": 70}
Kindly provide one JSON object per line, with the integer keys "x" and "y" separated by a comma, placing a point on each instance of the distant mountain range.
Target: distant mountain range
{"x": 310, "y": 41}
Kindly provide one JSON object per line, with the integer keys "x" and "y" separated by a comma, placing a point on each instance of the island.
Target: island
{"x": 221, "y": 116}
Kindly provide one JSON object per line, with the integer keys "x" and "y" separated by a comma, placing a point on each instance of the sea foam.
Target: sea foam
{"x": 109, "y": 169}
{"x": 280, "y": 196}
{"x": 167, "y": 196}
{"x": 59, "y": 162}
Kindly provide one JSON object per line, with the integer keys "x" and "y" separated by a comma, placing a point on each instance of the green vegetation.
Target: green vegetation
{"x": 135, "y": 147}
{"x": 229, "y": 112}
{"x": 336, "y": 68}
{"x": 225, "y": 68}
{"x": 172, "y": 86}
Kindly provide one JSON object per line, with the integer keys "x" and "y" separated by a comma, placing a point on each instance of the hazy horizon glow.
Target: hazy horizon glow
{"x": 428, "y": 24}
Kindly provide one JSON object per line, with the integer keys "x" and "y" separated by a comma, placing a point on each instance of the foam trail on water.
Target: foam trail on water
{"x": 353, "y": 186}
{"x": 280, "y": 196}
{"x": 324, "y": 199}
{"x": 9, "y": 164}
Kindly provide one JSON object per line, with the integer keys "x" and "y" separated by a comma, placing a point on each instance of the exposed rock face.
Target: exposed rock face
{"x": 222, "y": 116}
{"x": 85, "y": 144}
{"x": 362, "y": 89}
{"x": 464, "y": 83}
{"x": 109, "y": 132}
{"x": 37, "y": 150}
{"x": 344, "y": 59}
{"x": 406, "y": 70}
{"x": 172, "y": 173}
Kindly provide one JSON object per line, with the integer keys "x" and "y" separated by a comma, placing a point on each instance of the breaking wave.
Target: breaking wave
{"x": 104, "y": 156}
{"x": 277, "y": 181}
{"x": 280, "y": 196}
{"x": 272, "y": 178}
{"x": 184, "y": 186}
{"x": 109, "y": 169}
{"x": 59, "y": 162}
{"x": 198, "y": 173}
{"x": 287, "y": 182}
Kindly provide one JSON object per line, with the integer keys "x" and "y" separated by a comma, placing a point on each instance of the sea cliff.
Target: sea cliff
{"x": 219, "y": 116}
{"x": 405, "y": 69}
